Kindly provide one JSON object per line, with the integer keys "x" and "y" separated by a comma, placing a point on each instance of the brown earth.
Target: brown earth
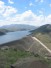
{"x": 27, "y": 44}
{"x": 29, "y": 63}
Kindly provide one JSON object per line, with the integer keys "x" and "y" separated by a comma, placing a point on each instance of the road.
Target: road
{"x": 34, "y": 38}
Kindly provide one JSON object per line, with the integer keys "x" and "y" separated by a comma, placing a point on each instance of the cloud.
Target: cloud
{"x": 1, "y": 3}
{"x": 50, "y": 5}
{"x": 9, "y": 11}
{"x": 48, "y": 19}
{"x": 25, "y": 7}
{"x": 2, "y": 7}
{"x": 10, "y": 1}
{"x": 41, "y": 1}
{"x": 6, "y": 10}
{"x": 41, "y": 11}
{"x": 28, "y": 17}
{"x": 9, "y": 15}
{"x": 31, "y": 4}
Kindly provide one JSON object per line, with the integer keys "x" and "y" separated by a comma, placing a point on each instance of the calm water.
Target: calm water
{"x": 12, "y": 36}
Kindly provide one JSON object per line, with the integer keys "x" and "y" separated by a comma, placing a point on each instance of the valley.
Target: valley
{"x": 31, "y": 46}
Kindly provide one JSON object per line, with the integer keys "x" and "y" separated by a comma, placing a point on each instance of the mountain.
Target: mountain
{"x": 43, "y": 29}
{"x": 1, "y": 33}
{"x": 43, "y": 33}
{"x": 28, "y": 44}
{"x": 18, "y": 27}
{"x": 15, "y": 27}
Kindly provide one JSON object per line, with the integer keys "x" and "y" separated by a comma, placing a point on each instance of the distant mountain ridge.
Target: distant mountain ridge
{"x": 15, "y": 27}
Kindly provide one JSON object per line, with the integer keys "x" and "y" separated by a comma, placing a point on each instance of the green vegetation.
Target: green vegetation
{"x": 47, "y": 61}
{"x": 43, "y": 29}
{"x": 10, "y": 56}
{"x": 2, "y": 33}
{"x": 43, "y": 33}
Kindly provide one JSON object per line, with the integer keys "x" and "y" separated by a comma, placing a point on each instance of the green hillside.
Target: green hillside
{"x": 3, "y": 31}
{"x": 10, "y": 56}
{"x": 43, "y": 33}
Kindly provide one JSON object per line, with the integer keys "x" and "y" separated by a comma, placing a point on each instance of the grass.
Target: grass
{"x": 10, "y": 56}
{"x": 45, "y": 38}
{"x": 47, "y": 61}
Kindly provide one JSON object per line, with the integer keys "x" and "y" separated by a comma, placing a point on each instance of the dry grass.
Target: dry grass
{"x": 45, "y": 38}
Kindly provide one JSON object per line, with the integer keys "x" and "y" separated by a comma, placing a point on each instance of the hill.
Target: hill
{"x": 15, "y": 27}
{"x": 18, "y": 27}
{"x": 26, "y": 47}
{"x": 2, "y": 33}
{"x": 43, "y": 33}
{"x": 43, "y": 29}
{"x": 11, "y": 52}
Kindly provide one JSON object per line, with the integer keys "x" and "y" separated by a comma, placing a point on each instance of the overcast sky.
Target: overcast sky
{"x": 32, "y": 12}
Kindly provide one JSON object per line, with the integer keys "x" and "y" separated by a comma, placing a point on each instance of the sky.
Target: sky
{"x": 31, "y": 12}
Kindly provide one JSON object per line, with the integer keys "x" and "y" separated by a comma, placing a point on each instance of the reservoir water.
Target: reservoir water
{"x": 12, "y": 36}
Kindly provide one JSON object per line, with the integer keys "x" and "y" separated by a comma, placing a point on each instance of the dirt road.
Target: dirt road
{"x": 34, "y": 38}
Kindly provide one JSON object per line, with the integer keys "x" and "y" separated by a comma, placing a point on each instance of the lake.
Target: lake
{"x": 13, "y": 36}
